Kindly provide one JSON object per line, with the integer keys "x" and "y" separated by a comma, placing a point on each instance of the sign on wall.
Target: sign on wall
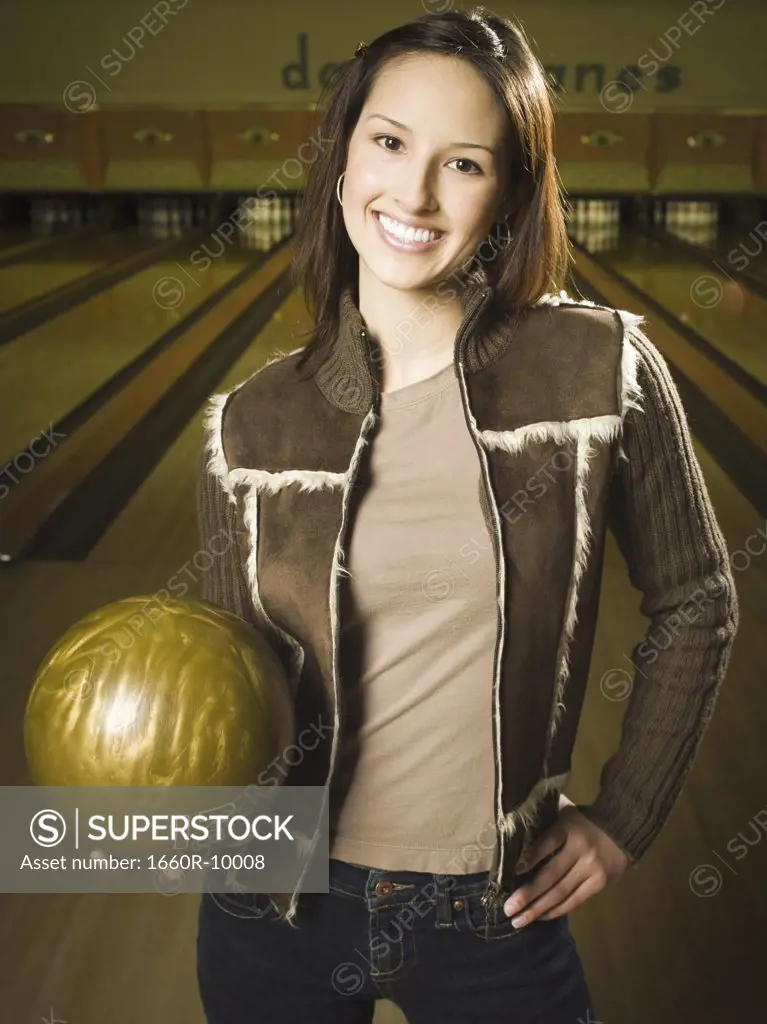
{"x": 578, "y": 79}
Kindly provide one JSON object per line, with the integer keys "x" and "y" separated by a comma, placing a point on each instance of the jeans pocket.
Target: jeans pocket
{"x": 251, "y": 905}
{"x": 488, "y": 922}
{"x": 494, "y": 923}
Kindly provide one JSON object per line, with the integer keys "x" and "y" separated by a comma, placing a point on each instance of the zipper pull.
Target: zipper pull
{"x": 490, "y": 894}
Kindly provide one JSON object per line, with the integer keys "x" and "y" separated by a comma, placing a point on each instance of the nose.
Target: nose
{"x": 414, "y": 192}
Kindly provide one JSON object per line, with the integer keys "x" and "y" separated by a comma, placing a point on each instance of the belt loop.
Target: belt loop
{"x": 444, "y": 899}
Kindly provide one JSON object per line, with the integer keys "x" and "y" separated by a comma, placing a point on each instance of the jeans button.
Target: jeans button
{"x": 458, "y": 905}
{"x": 384, "y": 889}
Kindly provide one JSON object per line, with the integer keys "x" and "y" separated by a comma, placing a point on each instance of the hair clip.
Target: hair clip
{"x": 362, "y": 49}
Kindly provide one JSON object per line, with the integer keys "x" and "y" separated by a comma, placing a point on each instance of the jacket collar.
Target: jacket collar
{"x": 349, "y": 376}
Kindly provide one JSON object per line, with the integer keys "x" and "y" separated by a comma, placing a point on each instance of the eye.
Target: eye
{"x": 377, "y": 137}
{"x": 463, "y": 160}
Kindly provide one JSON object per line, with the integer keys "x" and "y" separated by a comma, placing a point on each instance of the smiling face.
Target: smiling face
{"x": 427, "y": 152}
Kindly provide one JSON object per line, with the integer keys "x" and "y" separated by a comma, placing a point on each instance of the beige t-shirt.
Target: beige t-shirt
{"x": 415, "y": 785}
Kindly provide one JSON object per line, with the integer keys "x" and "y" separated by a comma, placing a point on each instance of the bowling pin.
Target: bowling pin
{"x": 163, "y": 218}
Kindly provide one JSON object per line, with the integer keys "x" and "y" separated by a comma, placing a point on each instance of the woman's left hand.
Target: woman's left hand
{"x": 587, "y": 861}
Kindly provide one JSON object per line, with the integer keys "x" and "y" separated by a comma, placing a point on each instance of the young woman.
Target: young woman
{"x": 421, "y": 497}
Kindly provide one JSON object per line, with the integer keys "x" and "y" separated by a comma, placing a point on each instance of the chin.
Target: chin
{"x": 402, "y": 279}
{"x": 402, "y": 271}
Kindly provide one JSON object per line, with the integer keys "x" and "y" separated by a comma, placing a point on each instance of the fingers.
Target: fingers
{"x": 550, "y": 876}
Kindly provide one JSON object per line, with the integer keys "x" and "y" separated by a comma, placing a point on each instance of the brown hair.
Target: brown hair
{"x": 534, "y": 257}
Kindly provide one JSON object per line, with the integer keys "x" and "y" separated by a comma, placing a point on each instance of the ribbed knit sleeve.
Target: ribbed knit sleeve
{"x": 224, "y": 584}
{"x": 664, "y": 523}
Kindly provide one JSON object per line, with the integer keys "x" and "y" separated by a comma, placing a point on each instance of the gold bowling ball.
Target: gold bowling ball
{"x": 139, "y": 693}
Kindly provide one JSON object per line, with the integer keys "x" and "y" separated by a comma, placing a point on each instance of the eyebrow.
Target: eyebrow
{"x": 462, "y": 145}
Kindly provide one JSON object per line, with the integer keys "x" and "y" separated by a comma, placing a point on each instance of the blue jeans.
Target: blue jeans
{"x": 423, "y": 941}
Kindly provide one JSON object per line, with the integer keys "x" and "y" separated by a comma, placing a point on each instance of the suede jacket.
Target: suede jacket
{"x": 578, "y": 426}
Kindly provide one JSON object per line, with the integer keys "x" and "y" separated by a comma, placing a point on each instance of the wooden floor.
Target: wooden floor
{"x": 654, "y": 948}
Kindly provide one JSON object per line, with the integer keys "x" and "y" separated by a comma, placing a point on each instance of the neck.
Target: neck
{"x": 348, "y": 370}
{"x": 414, "y": 328}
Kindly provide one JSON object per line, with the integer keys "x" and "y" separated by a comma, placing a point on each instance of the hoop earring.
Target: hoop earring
{"x": 505, "y": 224}
{"x": 338, "y": 188}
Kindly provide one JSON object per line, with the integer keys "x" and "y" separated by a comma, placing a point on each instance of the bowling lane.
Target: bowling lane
{"x": 48, "y": 371}
{"x": 70, "y": 259}
{"x": 15, "y": 235}
{"x": 727, "y": 315}
{"x": 736, "y": 250}
{"x": 158, "y": 526}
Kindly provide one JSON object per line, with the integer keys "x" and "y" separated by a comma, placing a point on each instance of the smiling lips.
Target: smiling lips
{"x": 402, "y": 237}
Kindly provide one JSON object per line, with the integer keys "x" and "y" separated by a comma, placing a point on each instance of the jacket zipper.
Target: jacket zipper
{"x": 493, "y": 890}
{"x": 491, "y": 894}
{"x": 337, "y": 691}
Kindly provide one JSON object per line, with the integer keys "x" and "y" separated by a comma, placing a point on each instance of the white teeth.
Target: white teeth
{"x": 405, "y": 233}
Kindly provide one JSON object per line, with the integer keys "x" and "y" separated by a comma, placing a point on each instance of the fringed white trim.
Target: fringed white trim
{"x": 500, "y": 599}
{"x": 581, "y": 544}
{"x": 525, "y": 815}
{"x": 271, "y": 483}
{"x": 304, "y": 844}
{"x": 550, "y": 299}
{"x": 278, "y": 356}
{"x": 630, "y": 391}
{"x": 588, "y": 428}
{"x": 305, "y": 848}
{"x": 213, "y": 424}
{"x": 336, "y": 570}
{"x": 250, "y": 518}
